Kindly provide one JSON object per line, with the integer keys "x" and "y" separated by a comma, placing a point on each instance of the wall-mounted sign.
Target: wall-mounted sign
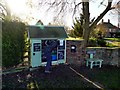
{"x": 61, "y": 44}
{"x": 36, "y": 47}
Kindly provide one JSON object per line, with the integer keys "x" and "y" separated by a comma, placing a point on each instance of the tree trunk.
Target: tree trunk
{"x": 86, "y": 30}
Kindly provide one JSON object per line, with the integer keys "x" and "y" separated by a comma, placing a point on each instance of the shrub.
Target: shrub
{"x": 12, "y": 42}
{"x": 101, "y": 42}
{"x": 92, "y": 43}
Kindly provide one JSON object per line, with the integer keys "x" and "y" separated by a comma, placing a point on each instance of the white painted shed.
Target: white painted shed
{"x": 39, "y": 35}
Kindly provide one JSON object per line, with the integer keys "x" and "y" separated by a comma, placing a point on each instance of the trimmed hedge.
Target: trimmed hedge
{"x": 13, "y": 42}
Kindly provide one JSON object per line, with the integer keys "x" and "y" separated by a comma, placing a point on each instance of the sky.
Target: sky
{"x": 19, "y": 8}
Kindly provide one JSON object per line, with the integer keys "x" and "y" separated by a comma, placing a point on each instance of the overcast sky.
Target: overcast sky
{"x": 19, "y": 8}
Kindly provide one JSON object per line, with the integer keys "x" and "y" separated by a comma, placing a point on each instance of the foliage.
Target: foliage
{"x": 99, "y": 39}
{"x": 101, "y": 29}
{"x": 71, "y": 34}
{"x": 92, "y": 42}
{"x": 12, "y": 42}
{"x": 4, "y": 9}
{"x": 77, "y": 27}
{"x": 117, "y": 34}
{"x": 64, "y": 8}
{"x": 104, "y": 42}
{"x": 95, "y": 33}
{"x": 101, "y": 42}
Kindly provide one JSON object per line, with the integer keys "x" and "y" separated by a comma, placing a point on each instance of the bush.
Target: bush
{"x": 101, "y": 42}
{"x": 12, "y": 43}
{"x": 92, "y": 43}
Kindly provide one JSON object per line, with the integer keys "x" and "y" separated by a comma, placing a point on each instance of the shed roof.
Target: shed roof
{"x": 40, "y": 31}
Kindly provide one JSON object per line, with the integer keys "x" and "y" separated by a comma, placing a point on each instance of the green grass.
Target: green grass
{"x": 71, "y": 38}
{"x": 115, "y": 42}
{"x": 110, "y": 78}
{"x": 112, "y": 39}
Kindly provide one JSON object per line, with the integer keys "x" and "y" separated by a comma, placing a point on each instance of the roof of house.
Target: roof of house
{"x": 109, "y": 25}
{"x": 40, "y": 31}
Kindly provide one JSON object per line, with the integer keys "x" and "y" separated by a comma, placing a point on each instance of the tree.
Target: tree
{"x": 61, "y": 7}
{"x": 77, "y": 27}
{"x": 88, "y": 28}
{"x": 116, "y": 11}
{"x": 4, "y": 9}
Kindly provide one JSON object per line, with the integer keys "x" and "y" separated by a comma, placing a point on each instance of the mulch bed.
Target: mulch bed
{"x": 61, "y": 77}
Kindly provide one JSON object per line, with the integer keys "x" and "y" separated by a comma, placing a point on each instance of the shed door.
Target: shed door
{"x": 36, "y": 53}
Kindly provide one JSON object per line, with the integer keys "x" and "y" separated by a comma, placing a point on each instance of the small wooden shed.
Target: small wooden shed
{"x": 39, "y": 35}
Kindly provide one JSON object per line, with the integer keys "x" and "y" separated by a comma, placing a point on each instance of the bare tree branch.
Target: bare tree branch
{"x": 101, "y": 3}
{"x": 76, "y": 5}
{"x": 5, "y": 7}
{"x": 101, "y": 15}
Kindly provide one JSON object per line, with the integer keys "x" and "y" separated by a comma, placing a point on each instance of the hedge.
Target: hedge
{"x": 13, "y": 42}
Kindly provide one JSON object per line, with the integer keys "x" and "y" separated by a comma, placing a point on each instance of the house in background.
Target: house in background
{"x": 108, "y": 29}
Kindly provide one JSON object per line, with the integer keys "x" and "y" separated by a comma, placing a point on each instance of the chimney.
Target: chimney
{"x": 108, "y": 20}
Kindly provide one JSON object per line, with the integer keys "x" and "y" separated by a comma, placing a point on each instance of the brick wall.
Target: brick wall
{"x": 111, "y": 56}
{"x": 74, "y": 57}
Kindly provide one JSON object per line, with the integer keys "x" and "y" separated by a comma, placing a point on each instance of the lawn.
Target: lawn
{"x": 107, "y": 76}
{"x": 113, "y": 42}
{"x": 63, "y": 77}
{"x": 112, "y": 39}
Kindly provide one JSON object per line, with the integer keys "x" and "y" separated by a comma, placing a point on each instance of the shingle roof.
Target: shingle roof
{"x": 109, "y": 25}
{"x": 40, "y": 31}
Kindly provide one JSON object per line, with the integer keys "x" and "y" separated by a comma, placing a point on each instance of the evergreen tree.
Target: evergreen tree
{"x": 77, "y": 27}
